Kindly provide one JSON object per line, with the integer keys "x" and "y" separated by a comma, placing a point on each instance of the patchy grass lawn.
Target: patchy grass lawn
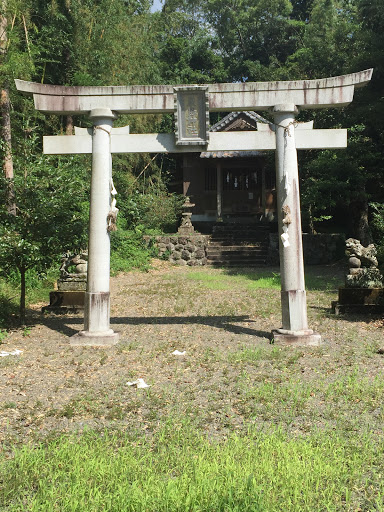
{"x": 235, "y": 424}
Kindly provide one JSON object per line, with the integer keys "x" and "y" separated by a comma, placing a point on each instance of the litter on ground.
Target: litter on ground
{"x": 139, "y": 383}
{"x": 16, "y": 352}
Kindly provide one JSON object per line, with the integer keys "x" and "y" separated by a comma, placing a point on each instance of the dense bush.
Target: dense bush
{"x": 378, "y": 230}
{"x": 128, "y": 249}
{"x": 159, "y": 211}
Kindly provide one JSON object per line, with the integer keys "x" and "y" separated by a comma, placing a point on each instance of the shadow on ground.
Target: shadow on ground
{"x": 227, "y": 323}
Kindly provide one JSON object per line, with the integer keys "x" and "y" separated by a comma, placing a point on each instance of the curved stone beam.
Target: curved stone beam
{"x": 306, "y": 94}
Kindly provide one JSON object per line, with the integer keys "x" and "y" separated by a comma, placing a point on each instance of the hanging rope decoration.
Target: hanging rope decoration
{"x": 112, "y": 215}
{"x": 103, "y": 129}
{"x": 113, "y": 211}
{"x": 273, "y": 125}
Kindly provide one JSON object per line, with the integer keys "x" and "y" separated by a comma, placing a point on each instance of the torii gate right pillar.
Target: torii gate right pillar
{"x": 293, "y": 296}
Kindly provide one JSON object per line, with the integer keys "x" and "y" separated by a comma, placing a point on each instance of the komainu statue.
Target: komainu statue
{"x": 361, "y": 256}
{"x": 362, "y": 262}
{"x": 76, "y": 262}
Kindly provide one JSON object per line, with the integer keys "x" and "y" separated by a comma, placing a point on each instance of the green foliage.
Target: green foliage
{"x": 378, "y": 230}
{"x": 178, "y": 469}
{"x": 153, "y": 211}
{"x": 48, "y": 220}
{"x": 128, "y": 250}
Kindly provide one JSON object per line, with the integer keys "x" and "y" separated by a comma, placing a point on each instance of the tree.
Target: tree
{"x": 11, "y": 53}
{"x": 48, "y": 221}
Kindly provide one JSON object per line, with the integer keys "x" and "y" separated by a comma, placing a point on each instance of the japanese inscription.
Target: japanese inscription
{"x": 192, "y": 115}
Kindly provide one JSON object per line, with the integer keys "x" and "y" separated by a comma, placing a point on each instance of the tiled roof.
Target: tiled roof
{"x": 230, "y": 118}
{"x": 230, "y": 154}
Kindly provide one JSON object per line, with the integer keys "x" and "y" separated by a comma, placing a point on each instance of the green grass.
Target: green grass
{"x": 179, "y": 470}
{"x": 260, "y": 279}
{"x": 236, "y": 425}
{"x": 250, "y": 281}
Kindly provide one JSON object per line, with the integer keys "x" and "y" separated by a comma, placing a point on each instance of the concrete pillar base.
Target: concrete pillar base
{"x": 296, "y": 338}
{"x": 294, "y": 312}
{"x": 94, "y": 339}
{"x": 96, "y": 311}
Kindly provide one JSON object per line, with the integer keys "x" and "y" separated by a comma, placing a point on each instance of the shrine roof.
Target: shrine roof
{"x": 231, "y": 154}
{"x": 229, "y": 121}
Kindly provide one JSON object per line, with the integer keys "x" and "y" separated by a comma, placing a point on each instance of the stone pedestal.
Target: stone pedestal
{"x": 94, "y": 339}
{"x": 297, "y": 339}
{"x": 65, "y": 302}
{"x": 70, "y": 293}
{"x": 359, "y": 300}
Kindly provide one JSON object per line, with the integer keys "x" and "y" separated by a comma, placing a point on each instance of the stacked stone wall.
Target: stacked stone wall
{"x": 322, "y": 248}
{"x": 318, "y": 249}
{"x": 182, "y": 250}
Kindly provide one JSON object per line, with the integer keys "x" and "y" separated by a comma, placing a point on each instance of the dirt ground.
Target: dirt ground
{"x": 230, "y": 375}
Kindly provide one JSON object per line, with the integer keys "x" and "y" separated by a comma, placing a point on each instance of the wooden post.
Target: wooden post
{"x": 219, "y": 192}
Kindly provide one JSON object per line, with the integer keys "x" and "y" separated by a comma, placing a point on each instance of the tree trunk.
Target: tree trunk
{"x": 6, "y": 133}
{"x": 5, "y": 108}
{"x": 360, "y": 225}
{"x": 22, "y": 295}
{"x": 69, "y": 125}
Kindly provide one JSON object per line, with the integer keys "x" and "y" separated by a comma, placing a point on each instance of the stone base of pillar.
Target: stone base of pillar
{"x": 294, "y": 310}
{"x": 96, "y": 311}
{"x": 296, "y": 339}
{"x": 94, "y": 339}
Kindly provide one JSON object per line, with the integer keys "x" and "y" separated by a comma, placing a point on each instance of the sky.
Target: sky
{"x": 156, "y": 6}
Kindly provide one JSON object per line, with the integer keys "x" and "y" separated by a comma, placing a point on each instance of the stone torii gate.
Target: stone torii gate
{"x": 191, "y": 105}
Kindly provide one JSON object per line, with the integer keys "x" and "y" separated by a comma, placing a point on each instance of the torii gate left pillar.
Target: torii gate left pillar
{"x": 97, "y": 329}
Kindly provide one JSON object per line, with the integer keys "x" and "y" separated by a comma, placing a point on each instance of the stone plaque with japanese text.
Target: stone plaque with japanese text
{"x": 192, "y": 115}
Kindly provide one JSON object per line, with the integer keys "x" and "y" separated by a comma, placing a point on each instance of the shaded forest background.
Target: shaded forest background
{"x": 44, "y": 199}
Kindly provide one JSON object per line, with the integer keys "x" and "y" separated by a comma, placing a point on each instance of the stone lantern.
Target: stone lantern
{"x": 186, "y": 227}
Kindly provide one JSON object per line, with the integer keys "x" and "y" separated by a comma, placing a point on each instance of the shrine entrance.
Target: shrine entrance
{"x": 191, "y": 106}
{"x": 238, "y": 183}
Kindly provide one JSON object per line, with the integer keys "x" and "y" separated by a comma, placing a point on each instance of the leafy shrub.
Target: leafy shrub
{"x": 128, "y": 249}
{"x": 378, "y": 230}
{"x": 154, "y": 211}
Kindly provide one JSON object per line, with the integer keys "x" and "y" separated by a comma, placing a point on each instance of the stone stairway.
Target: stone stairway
{"x": 238, "y": 245}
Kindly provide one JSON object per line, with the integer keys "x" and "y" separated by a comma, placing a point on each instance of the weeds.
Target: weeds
{"x": 308, "y": 421}
{"x": 178, "y": 469}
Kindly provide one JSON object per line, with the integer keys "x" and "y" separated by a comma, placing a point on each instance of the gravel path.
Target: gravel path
{"x": 222, "y": 325}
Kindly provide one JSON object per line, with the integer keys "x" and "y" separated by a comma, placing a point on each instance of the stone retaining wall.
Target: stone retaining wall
{"x": 182, "y": 250}
{"x": 319, "y": 249}
{"x": 191, "y": 250}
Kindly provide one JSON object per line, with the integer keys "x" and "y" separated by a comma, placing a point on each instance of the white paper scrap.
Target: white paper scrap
{"x": 178, "y": 353}
{"x": 139, "y": 383}
{"x": 285, "y": 239}
{"x": 287, "y": 184}
{"x": 13, "y": 353}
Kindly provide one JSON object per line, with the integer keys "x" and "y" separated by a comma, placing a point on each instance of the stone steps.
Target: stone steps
{"x": 238, "y": 245}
